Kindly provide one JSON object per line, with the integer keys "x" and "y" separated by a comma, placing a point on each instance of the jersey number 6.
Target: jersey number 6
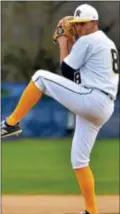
{"x": 115, "y": 63}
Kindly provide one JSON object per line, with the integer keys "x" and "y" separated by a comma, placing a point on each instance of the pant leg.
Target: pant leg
{"x": 83, "y": 141}
{"x": 91, "y": 104}
{"x": 66, "y": 92}
{"x": 92, "y": 108}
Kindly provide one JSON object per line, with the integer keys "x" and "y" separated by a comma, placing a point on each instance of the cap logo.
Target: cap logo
{"x": 78, "y": 12}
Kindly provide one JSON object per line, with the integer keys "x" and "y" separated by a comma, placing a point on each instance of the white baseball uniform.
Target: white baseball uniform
{"x": 94, "y": 56}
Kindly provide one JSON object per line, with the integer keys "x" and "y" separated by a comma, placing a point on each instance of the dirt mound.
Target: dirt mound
{"x": 49, "y": 204}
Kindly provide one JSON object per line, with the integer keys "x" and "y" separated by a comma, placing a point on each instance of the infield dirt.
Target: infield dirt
{"x": 55, "y": 204}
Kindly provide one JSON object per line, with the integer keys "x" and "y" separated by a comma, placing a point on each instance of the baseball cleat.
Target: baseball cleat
{"x": 7, "y": 130}
{"x": 84, "y": 212}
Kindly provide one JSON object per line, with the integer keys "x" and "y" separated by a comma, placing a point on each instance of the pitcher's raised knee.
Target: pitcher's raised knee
{"x": 38, "y": 78}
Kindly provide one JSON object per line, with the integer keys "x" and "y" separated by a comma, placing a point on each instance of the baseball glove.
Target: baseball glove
{"x": 64, "y": 28}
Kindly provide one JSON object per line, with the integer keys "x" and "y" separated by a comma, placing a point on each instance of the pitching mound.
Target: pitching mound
{"x": 49, "y": 204}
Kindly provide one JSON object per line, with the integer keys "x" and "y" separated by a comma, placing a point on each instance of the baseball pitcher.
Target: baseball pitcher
{"x": 88, "y": 88}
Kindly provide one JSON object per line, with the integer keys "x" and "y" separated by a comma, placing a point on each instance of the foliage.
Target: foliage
{"x": 27, "y": 29}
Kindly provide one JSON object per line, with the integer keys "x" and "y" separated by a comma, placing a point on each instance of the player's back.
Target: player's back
{"x": 100, "y": 65}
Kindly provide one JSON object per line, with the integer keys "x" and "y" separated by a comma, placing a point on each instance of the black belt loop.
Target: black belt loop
{"x": 107, "y": 95}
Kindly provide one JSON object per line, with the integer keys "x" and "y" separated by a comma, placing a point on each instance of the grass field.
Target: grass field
{"x": 38, "y": 166}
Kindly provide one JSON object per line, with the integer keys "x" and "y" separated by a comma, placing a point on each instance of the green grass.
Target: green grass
{"x": 42, "y": 166}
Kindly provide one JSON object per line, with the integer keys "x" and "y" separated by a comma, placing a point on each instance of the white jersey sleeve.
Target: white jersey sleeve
{"x": 79, "y": 54}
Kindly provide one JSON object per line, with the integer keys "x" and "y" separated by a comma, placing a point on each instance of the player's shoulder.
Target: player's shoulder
{"x": 83, "y": 40}
{"x": 90, "y": 38}
{"x": 96, "y": 39}
{"x": 95, "y": 36}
